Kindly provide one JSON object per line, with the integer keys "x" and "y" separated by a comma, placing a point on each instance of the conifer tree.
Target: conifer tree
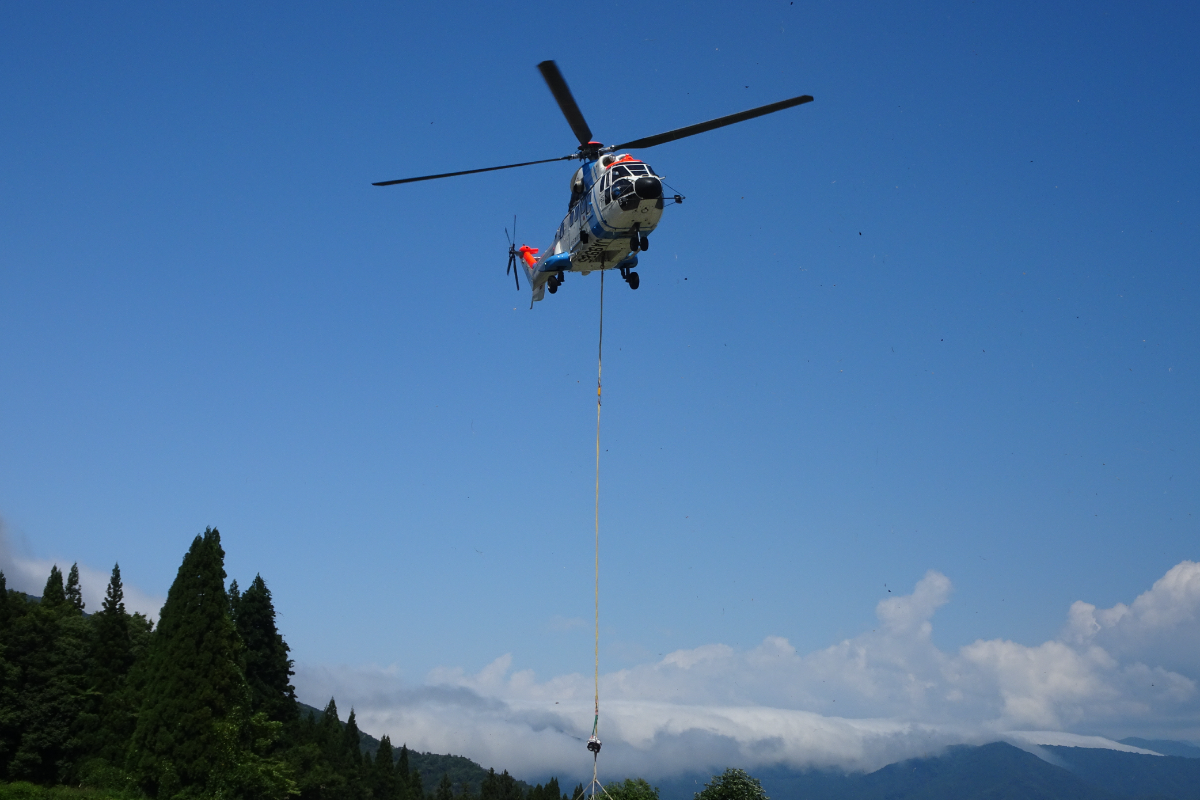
{"x": 235, "y": 599}
{"x": 383, "y": 771}
{"x": 324, "y": 771}
{"x": 108, "y": 723}
{"x": 112, "y": 653}
{"x": 74, "y": 594}
{"x": 445, "y": 789}
{"x": 192, "y": 678}
{"x": 352, "y": 766}
{"x": 402, "y": 773}
{"x": 489, "y": 787}
{"x": 352, "y": 741}
{"x": 415, "y": 790}
{"x": 268, "y": 667}
{"x": 53, "y": 595}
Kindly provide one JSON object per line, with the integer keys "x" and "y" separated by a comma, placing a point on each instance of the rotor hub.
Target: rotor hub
{"x": 590, "y": 151}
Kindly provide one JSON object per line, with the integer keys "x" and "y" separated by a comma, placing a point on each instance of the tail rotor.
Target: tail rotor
{"x": 512, "y": 253}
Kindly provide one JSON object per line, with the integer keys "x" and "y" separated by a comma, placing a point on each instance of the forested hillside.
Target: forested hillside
{"x": 200, "y": 705}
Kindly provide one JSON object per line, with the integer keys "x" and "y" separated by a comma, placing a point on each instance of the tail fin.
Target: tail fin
{"x": 528, "y": 260}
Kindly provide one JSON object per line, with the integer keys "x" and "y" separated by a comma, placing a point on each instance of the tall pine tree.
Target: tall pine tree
{"x": 268, "y": 667}
{"x": 112, "y": 650}
{"x": 383, "y": 771}
{"x": 192, "y": 679}
{"x": 53, "y": 595}
{"x": 73, "y": 592}
{"x": 109, "y": 721}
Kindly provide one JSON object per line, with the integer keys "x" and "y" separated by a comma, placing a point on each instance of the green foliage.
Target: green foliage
{"x": 268, "y": 668}
{"x": 74, "y": 595}
{"x": 30, "y": 791}
{"x": 732, "y": 784}
{"x": 53, "y": 595}
{"x": 46, "y": 647}
{"x": 201, "y": 707}
{"x": 383, "y": 783}
{"x": 244, "y": 768}
{"x": 192, "y": 678}
{"x": 499, "y": 787}
{"x": 417, "y": 792}
{"x": 107, "y": 722}
{"x": 631, "y": 789}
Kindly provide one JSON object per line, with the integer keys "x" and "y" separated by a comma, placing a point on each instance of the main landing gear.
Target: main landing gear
{"x": 555, "y": 282}
{"x": 630, "y": 277}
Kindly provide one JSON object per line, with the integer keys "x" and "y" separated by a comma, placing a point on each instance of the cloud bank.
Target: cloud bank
{"x": 883, "y": 695}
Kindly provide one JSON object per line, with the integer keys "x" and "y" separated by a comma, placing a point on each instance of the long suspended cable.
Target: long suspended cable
{"x": 599, "y": 376}
{"x": 594, "y": 740}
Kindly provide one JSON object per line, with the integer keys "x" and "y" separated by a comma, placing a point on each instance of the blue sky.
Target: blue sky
{"x": 942, "y": 318}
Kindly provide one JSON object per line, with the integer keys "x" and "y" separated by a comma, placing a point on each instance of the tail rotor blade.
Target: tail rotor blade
{"x": 512, "y": 253}
{"x": 570, "y": 109}
{"x": 512, "y": 264}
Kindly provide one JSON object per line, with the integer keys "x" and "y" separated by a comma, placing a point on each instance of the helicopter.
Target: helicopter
{"x": 616, "y": 200}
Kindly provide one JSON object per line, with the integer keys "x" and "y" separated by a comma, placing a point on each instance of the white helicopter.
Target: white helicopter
{"x": 616, "y": 199}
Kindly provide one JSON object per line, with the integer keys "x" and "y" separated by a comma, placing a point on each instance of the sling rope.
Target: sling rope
{"x": 594, "y": 741}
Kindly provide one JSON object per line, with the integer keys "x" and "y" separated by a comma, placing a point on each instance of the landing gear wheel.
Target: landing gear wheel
{"x": 552, "y": 285}
{"x": 645, "y": 242}
{"x": 635, "y": 243}
{"x": 634, "y": 280}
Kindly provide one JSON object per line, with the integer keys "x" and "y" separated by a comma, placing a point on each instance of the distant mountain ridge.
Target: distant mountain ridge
{"x": 997, "y": 771}
{"x": 1133, "y": 774}
{"x": 1167, "y": 747}
{"x": 463, "y": 771}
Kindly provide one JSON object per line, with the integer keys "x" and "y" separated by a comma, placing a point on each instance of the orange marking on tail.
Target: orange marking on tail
{"x": 528, "y": 253}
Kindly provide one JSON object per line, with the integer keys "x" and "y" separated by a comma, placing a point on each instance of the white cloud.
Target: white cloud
{"x": 885, "y": 694}
{"x": 1060, "y": 739}
{"x": 1160, "y": 626}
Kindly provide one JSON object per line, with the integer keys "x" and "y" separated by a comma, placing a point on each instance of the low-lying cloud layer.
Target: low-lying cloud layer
{"x": 886, "y": 694}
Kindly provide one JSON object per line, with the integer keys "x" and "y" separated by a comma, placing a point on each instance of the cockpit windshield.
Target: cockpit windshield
{"x": 630, "y": 170}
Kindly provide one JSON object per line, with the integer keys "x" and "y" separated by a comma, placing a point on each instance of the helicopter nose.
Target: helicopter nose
{"x": 648, "y": 188}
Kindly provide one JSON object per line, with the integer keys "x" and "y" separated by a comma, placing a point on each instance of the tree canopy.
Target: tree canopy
{"x": 200, "y": 705}
{"x": 732, "y": 784}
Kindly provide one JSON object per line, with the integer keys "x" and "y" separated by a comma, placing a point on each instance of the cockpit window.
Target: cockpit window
{"x": 620, "y": 171}
{"x": 638, "y": 169}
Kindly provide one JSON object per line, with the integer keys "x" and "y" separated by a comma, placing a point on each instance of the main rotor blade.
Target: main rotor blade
{"x": 721, "y": 122}
{"x": 472, "y": 171}
{"x": 570, "y": 110}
